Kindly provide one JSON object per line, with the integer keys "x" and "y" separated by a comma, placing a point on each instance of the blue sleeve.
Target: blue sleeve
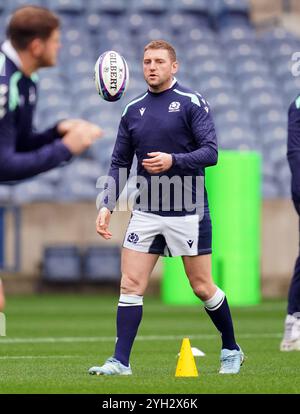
{"x": 20, "y": 165}
{"x": 37, "y": 140}
{"x": 204, "y": 133}
{"x": 122, "y": 158}
{"x": 293, "y": 152}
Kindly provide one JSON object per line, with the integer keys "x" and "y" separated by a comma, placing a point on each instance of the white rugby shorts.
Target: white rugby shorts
{"x": 168, "y": 236}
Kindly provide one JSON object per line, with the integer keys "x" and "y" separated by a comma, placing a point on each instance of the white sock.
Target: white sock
{"x": 130, "y": 300}
{"x": 215, "y": 301}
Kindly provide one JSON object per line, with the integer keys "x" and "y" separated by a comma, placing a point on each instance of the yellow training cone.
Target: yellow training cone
{"x": 186, "y": 366}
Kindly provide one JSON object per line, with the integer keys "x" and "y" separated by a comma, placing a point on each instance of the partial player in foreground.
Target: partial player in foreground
{"x": 33, "y": 42}
{"x": 291, "y": 338}
{"x": 2, "y": 297}
{"x": 171, "y": 131}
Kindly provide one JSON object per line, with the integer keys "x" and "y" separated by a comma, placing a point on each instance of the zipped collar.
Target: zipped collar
{"x": 11, "y": 53}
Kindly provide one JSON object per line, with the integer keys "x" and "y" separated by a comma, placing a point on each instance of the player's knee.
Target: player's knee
{"x": 130, "y": 284}
{"x": 202, "y": 290}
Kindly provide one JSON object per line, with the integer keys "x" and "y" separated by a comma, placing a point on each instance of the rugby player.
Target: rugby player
{"x": 170, "y": 130}
{"x": 33, "y": 42}
{"x": 291, "y": 337}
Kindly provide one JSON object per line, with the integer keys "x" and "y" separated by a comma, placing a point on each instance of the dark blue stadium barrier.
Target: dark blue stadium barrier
{"x": 62, "y": 264}
{"x": 102, "y": 263}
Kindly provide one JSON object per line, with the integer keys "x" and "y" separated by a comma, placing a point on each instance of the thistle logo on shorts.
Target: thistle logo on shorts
{"x": 133, "y": 238}
{"x": 174, "y": 106}
{"x": 190, "y": 243}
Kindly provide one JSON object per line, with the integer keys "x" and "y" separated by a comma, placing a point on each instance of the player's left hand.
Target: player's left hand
{"x": 65, "y": 126}
{"x": 160, "y": 162}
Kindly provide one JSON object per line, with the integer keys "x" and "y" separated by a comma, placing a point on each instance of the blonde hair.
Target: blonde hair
{"x": 162, "y": 44}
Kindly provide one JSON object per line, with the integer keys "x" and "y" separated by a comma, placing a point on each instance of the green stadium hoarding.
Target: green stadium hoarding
{"x": 234, "y": 193}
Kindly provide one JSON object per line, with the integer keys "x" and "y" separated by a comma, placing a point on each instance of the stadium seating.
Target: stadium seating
{"x": 245, "y": 76}
{"x": 102, "y": 263}
{"x": 61, "y": 264}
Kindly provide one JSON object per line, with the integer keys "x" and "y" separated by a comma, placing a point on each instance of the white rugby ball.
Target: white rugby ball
{"x": 111, "y": 75}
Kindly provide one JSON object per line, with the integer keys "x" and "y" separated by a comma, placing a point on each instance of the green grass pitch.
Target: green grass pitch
{"x": 52, "y": 340}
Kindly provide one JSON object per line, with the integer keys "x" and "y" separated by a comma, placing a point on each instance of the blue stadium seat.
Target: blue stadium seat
{"x": 270, "y": 189}
{"x": 179, "y": 23}
{"x": 10, "y": 6}
{"x": 262, "y": 101}
{"x": 213, "y": 83}
{"x": 291, "y": 88}
{"x": 257, "y": 83}
{"x": 282, "y": 68}
{"x": 5, "y": 194}
{"x": 233, "y": 117}
{"x": 33, "y": 191}
{"x": 236, "y": 137}
{"x": 102, "y": 263}
{"x": 149, "y": 6}
{"x": 231, "y": 20}
{"x": 283, "y": 174}
{"x": 243, "y": 50}
{"x": 94, "y": 21}
{"x": 202, "y": 51}
{"x": 61, "y": 264}
{"x": 80, "y": 70}
{"x": 148, "y": 35}
{"x": 271, "y": 117}
{"x": 196, "y": 37}
{"x": 138, "y": 22}
{"x": 108, "y": 6}
{"x": 192, "y": 6}
{"x": 209, "y": 67}
{"x": 74, "y": 52}
{"x": 82, "y": 170}
{"x": 3, "y": 5}
{"x": 276, "y": 153}
{"x": 283, "y": 50}
{"x": 51, "y": 83}
{"x": 274, "y": 36}
{"x": 220, "y": 102}
{"x": 237, "y": 33}
{"x": 71, "y": 190}
{"x": 53, "y": 176}
{"x": 102, "y": 151}
{"x": 73, "y": 6}
{"x": 250, "y": 67}
{"x": 274, "y": 137}
{"x": 231, "y": 12}
{"x": 232, "y": 6}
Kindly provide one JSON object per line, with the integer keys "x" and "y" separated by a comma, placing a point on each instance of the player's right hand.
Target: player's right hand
{"x": 102, "y": 223}
{"x": 81, "y": 137}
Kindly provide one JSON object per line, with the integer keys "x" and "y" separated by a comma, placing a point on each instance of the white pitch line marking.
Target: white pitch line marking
{"x": 71, "y": 339}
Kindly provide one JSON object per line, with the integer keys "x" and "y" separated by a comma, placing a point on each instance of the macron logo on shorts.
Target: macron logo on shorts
{"x": 190, "y": 243}
{"x": 133, "y": 238}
